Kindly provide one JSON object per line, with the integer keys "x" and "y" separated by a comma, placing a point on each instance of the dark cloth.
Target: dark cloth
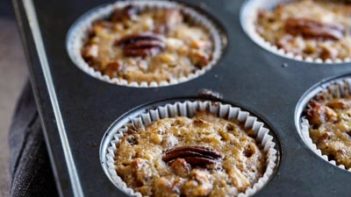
{"x": 30, "y": 167}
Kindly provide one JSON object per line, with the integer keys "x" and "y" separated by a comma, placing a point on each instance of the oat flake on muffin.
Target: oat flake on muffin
{"x": 199, "y": 156}
{"x": 147, "y": 45}
{"x": 318, "y": 29}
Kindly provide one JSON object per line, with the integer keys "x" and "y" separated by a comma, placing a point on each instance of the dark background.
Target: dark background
{"x": 6, "y": 9}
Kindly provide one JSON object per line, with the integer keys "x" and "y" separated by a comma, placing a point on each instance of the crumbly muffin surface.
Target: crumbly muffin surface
{"x": 308, "y": 28}
{"x": 147, "y": 45}
{"x": 199, "y": 156}
{"x": 330, "y": 128}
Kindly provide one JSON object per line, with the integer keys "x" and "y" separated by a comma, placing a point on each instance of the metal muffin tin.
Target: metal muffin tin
{"x": 77, "y": 109}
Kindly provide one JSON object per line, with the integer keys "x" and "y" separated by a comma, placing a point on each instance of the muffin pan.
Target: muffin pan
{"x": 77, "y": 109}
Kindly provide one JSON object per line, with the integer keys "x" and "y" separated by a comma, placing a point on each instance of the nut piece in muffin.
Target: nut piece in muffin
{"x": 318, "y": 29}
{"x": 330, "y": 128}
{"x": 199, "y": 156}
{"x": 140, "y": 44}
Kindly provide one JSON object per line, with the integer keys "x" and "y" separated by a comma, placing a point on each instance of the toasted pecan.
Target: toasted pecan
{"x": 308, "y": 28}
{"x": 145, "y": 44}
{"x": 194, "y": 155}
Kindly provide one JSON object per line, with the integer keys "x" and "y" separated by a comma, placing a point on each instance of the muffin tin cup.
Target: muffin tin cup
{"x": 79, "y": 31}
{"x": 248, "y": 18}
{"x": 334, "y": 89}
{"x": 187, "y": 108}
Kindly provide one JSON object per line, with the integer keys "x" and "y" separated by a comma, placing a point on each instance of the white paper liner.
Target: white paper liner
{"x": 333, "y": 89}
{"x": 188, "y": 109}
{"x": 78, "y": 33}
{"x": 248, "y": 21}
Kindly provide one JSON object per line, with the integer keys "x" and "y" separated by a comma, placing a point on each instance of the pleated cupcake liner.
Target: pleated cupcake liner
{"x": 338, "y": 88}
{"x": 249, "y": 13}
{"x": 79, "y": 31}
{"x": 188, "y": 109}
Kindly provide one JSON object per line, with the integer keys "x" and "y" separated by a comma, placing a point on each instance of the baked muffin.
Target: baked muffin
{"x": 199, "y": 156}
{"x": 148, "y": 45}
{"x": 318, "y": 29}
{"x": 330, "y": 128}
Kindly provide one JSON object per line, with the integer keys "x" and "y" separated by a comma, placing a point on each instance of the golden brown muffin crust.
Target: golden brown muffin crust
{"x": 308, "y": 28}
{"x": 147, "y": 45}
{"x": 200, "y": 156}
{"x": 330, "y": 129}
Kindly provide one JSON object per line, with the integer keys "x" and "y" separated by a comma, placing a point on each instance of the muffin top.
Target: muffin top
{"x": 330, "y": 128}
{"x": 308, "y": 28}
{"x": 147, "y": 44}
{"x": 199, "y": 156}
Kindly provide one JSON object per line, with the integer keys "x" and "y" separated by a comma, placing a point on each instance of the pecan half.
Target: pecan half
{"x": 194, "y": 155}
{"x": 308, "y": 28}
{"x": 141, "y": 45}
